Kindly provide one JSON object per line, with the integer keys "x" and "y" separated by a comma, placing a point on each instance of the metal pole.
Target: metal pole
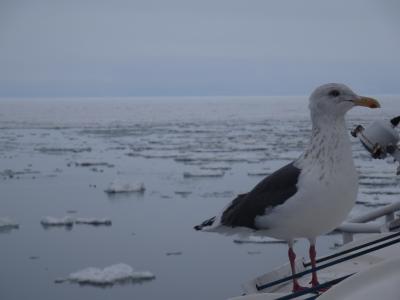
{"x": 377, "y": 213}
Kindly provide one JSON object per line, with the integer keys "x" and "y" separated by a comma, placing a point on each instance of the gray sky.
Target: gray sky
{"x": 204, "y": 47}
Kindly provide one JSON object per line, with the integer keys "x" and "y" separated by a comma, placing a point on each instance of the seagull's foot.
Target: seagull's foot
{"x": 297, "y": 287}
{"x": 315, "y": 284}
{"x": 323, "y": 290}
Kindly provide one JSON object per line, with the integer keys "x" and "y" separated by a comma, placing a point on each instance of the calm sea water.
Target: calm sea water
{"x": 155, "y": 141}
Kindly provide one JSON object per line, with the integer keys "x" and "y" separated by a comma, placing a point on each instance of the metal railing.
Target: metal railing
{"x": 363, "y": 224}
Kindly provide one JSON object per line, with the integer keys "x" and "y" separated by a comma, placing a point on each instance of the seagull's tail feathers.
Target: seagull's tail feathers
{"x": 222, "y": 223}
{"x": 206, "y": 223}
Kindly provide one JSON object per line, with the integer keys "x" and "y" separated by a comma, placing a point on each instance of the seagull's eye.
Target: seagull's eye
{"x": 334, "y": 93}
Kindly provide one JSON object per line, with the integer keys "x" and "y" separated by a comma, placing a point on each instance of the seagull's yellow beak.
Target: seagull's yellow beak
{"x": 367, "y": 101}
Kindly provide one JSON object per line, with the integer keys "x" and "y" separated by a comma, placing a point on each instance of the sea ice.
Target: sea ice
{"x": 15, "y": 174}
{"x": 183, "y": 193}
{"x": 203, "y": 173}
{"x": 159, "y": 154}
{"x": 257, "y": 240}
{"x": 6, "y": 223}
{"x": 69, "y": 221}
{"x": 125, "y": 187}
{"x": 216, "y": 158}
{"x": 55, "y": 150}
{"x": 372, "y": 203}
{"x": 216, "y": 166}
{"x": 173, "y": 253}
{"x": 51, "y": 221}
{"x": 109, "y": 275}
{"x": 93, "y": 164}
{"x": 253, "y": 252}
{"x": 93, "y": 221}
{"x": 259, "y": 172}
{"x": 222, "y": 194}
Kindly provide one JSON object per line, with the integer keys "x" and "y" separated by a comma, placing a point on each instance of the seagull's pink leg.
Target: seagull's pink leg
{"x": 292, "y": 257}
{"x": 313, "y": 254}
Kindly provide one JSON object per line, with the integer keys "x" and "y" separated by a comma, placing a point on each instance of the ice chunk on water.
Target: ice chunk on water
{"x": 222, "y": 194}
{"x": 69, "y": 221}
{"x": 56, "y": 150}
{"x": 109, "y": 275}
{"x": 216, "y": 166}
{"x": 52, "y": 221}
{"x": 257, "y": 240}
{"x": 203, "y": 173}
{"x": 93, "y": 164}
{"x": 262, "y": 172}
{"x": 125, "y": 187}
{"x": 15, "y": 174}
{"x": 93, "y": 221}
{"x": 173, "y": 253}
{"x": 6, "y": 223}
{"x": 183, "y": 193}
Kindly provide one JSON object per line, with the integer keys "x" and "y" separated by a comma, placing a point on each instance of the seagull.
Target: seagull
{"x": 313, "y": 194}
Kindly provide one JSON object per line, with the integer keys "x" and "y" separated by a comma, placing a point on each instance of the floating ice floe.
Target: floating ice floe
{"x": 203, "y": 173}
{"x": 52, "y": 221}
{"x": 174, "y": 253}
{"x": 55, "y": 150}
{"x": 159, "y": 154}
{"x": 257, "y": 240}
{"x": 372, "y": 203}
{"x": 253, "y": 252}
{"x": 125, "y": 187}
{"x": 259, "y": 173}
{"x": 384, "y": 182}
{"x": 222, "y": 194}
{"x": 69, "y": 221}
{"x": 381, "y": 191}
{"x": 12, "y": 173}
{"x": 93, "y": 221}
{"x": 93, "y": 164}
{"x": 118, "y": 273}
{"x": 7, "y": 224}
{"x": 216, "y": 166}
{"x": 183, "y": 193}
{"x": 219, "y": 158}
{"x": 289, "y": 155}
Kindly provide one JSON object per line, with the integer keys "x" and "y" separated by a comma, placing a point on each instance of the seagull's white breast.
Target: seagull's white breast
{"x": 326, "y": 190}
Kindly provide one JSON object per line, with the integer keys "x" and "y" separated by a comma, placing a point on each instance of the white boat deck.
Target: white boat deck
{"x": 359, "y": 265}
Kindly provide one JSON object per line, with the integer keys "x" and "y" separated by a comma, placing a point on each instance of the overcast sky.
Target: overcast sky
{"x": 203, "y": 47}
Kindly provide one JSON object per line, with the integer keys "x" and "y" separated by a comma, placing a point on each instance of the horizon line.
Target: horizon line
{"x": 170, "y": 96}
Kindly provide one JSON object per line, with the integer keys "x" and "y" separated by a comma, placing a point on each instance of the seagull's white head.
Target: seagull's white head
{"x": 335, "y": 99}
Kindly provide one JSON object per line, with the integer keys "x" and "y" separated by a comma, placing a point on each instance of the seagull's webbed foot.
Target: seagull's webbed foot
{"x": 315, "y": 284}
{"x": 297, "y": 287}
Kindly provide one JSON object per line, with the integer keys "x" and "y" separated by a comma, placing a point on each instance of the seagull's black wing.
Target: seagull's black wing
{"x": 273, "y": 190}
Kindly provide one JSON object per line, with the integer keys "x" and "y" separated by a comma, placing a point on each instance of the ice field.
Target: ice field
{"x": 116, "y": 186}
